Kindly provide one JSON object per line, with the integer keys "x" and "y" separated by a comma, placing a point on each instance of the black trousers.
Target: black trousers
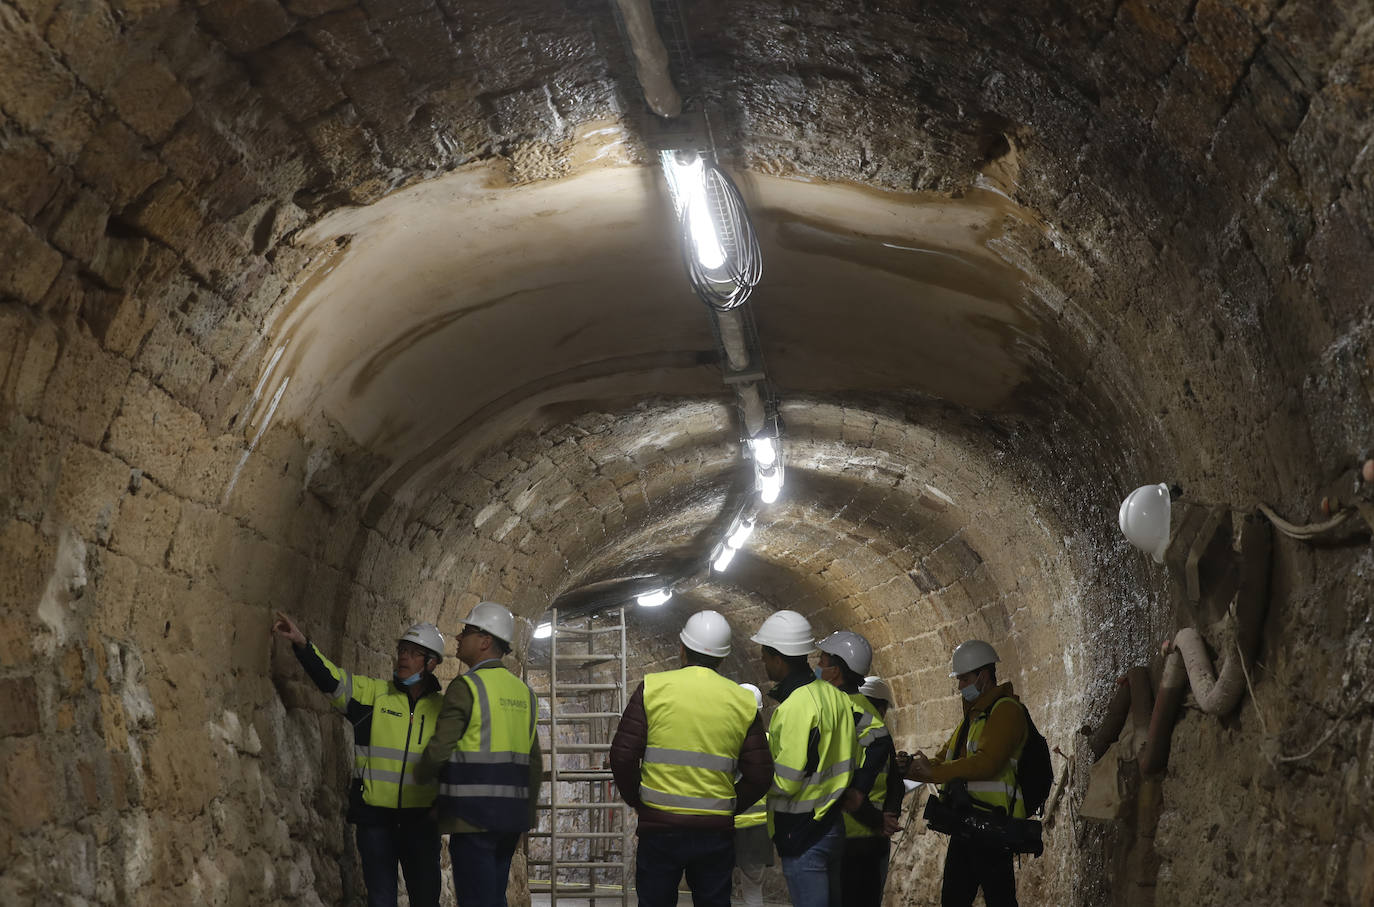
{"x": 969, "y": 866}
{"x": 865, "y": 871}
{"x": 707, "y": 858}
{"x": 409, "y": 838}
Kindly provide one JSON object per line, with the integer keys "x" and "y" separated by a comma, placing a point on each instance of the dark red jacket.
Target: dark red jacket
{"x": 755, "y": 764}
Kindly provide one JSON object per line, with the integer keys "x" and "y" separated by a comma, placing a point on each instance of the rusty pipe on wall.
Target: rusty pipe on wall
{"x": 1133, "y": 697}
{"x": 1172, "y": 687}
{"x": 1187, "y": 663}
{"x": 1215, "y": 695}
{"x": 1219, "y": 694}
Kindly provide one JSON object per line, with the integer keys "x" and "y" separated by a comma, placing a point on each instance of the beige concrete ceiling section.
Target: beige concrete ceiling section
{"x": 454, "y": 312}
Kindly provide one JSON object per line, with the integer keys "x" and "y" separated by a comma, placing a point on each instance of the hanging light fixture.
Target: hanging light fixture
{"x": 686, "y": 176}
{"x": 655, "y": 598}
{"x": 722, "y": 558}
{"x": 769, "y": 483}
{"x": 741, "y": 534}
{"x": 765, "y": 450}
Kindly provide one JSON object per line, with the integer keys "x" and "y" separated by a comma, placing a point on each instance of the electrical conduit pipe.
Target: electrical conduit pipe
{"x": 1172, "y": 686}
{"x": 651, "y": 58}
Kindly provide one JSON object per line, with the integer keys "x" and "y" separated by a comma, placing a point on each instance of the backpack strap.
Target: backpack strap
{"x": 1016, "y": 787}
{"x": 962, "y": 737}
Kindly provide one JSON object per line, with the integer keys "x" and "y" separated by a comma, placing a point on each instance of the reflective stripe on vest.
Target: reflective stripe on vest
{"x": 814, "y": 706}
{"x": 753, "y": 816}
{"x": 344, "y": 691}
{"x": 486, "y": 778}
{"x": 697, "y": 722}
{"x": 870, "y": 727}
{"x": 994, "y": 792}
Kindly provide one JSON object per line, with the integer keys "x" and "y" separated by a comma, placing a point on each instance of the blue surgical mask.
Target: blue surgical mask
{"x": 970, "y": 692}
{"x": 411, "y": 680}
{"x": 817, "y": 672}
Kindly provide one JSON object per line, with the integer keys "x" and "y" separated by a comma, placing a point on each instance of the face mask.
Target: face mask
{"x": 818, "y": 673}
{"x": 970, "y": 692}
{"x": 411, "y": 680}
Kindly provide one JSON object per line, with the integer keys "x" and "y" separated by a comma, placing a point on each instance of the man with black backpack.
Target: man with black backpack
{"x": 982, "y": 755}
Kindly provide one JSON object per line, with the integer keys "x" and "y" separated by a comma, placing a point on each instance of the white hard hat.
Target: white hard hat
{"x": 876, "y": 687}
{"x": 1144, "y": 519}
{"x": 707, "y": 632}
{"x": 494, "y": 619}
{"x": 427, "y": 636}
{"x": 788, "y": 632}
{"x": 972, "y": 655}
{"x": 849, "y": 647}
{"x": 758, "y": 694}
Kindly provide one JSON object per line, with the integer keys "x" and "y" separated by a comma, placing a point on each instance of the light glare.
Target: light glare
{"x": 765, "y": 451}
{"x": 543, "y": 631}
{"x": 654, "y": 599}
{"x": 687, "y": 184}
{"x": 727, "y": 554}
{"x": 740, "y": 535}
{"x": 770, "y": 484}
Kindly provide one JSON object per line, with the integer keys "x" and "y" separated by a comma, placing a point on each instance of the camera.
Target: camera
{"x": 958, "y": 815}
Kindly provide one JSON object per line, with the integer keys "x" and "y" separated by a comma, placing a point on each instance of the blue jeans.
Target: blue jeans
{"x": 481, "y": 866}
{"x": 706, "y": 857}
{"x": 412, "y": 839}
{"x": 813, "y": 876}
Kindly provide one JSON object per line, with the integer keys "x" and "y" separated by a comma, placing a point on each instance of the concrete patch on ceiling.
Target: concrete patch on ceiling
{"x": 459, "y": 307}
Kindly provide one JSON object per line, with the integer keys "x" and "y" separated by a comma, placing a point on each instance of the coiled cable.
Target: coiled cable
{"x": 728, "y": 285}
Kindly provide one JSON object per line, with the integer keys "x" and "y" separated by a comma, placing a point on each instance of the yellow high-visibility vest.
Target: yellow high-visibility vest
{"x": 754, "y": 815}
{"x": 994, "y": 792}
{"x": 385, "y": 762}
{"x": 869, "y": 725}
{"x": 697, "y": 723}
{"x": 813, "y": 706}
{"x": 486, "y": 780}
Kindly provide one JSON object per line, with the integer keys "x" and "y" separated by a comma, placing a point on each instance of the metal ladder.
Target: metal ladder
{"x": 585, "y": 699}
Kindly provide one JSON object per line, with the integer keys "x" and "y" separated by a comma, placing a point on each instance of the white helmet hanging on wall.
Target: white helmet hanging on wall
{"x": 427, "y": 636}
{"x": 707, "y": 632}
{"x": 972, "y": 655}
{"x": 494, "y": 619}
{"x": 788, "y": 632}
{"x": 1144, "y": 519}
{"x": 850, "y": 648}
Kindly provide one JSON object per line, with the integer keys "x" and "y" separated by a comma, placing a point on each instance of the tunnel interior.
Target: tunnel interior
{"x": 368, "y": 312}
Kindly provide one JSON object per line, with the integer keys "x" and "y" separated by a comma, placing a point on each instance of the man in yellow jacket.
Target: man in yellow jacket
{"x": 392, "y": 722}
{"x": 981, "y": 752}
{"x": 689, "y": 754}
{"x": 486, "y": 754}
{"x": 874, "y": 806}
{"x": 814, "y": 746}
